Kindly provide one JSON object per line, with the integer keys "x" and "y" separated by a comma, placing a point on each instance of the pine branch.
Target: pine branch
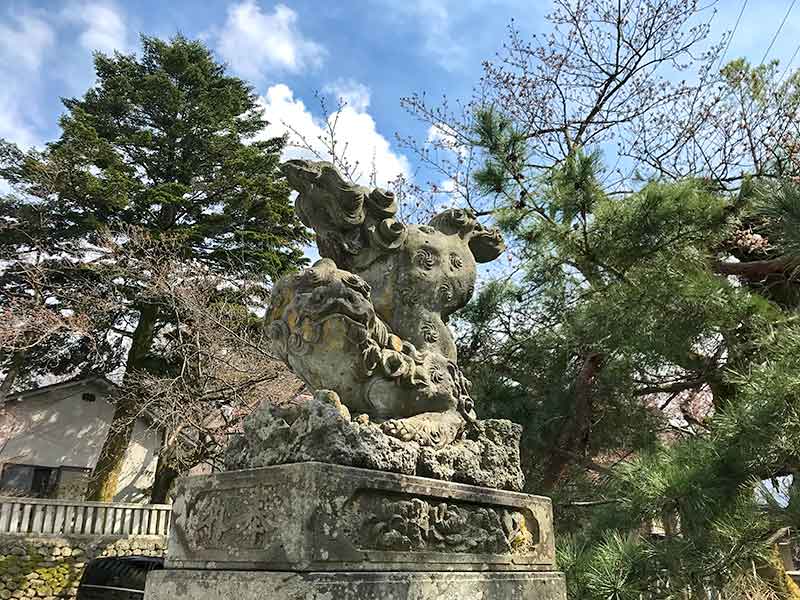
{"x": 757, "y": 269}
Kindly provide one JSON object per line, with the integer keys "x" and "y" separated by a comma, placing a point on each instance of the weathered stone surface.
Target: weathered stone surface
{"x": 368, "y": 322}
{"x": 221, "y": 585}
{"x": 317, "y": 517}
{"x": 321, "y": 429}
{"x": 373, "y": 344}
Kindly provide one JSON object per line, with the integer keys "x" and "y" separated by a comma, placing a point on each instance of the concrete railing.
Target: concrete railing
{"x": 75, "y": 517}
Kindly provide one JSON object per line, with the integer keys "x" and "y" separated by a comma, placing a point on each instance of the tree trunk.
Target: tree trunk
{"x": 757, "y": 269}
{"x": 105, "y": 478}
{"x": 166, "y": 474}
{"x": 574, "y": 438}
{"x": 103, "y": 484}
{"x": 17, "y": 360}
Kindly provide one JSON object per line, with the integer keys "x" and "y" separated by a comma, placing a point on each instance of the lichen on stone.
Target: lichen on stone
{"x": 321, "y": 429}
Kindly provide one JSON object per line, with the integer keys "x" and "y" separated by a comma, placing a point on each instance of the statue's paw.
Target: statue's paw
{"x": 427, "y": 429}
{"x": 400, "y": 429}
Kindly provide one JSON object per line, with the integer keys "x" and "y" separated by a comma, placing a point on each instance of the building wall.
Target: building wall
{"x": 57, "y": 428}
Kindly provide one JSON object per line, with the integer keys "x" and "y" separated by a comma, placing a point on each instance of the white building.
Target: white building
{"x": 50, "y": 439}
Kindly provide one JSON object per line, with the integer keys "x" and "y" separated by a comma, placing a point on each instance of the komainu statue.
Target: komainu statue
{"x": 366, "y": 328}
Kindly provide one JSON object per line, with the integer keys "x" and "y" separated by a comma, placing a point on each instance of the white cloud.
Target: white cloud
{"x": 86, "y": 26}
{"x": 353, "y": 94}
{"x": 254, "y": 42}
{"x": 355, "y": 130}
{"x": 24, "y": 42}
{"x": 103, "y": 25}
{"x": 15, "y": 126}
{"x": 448, "y": 185}
{"x": 434, "y": 22}
{"x": 32, "y": 40}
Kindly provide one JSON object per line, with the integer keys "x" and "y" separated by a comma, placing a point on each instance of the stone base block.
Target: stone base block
{"x": 272, "y": 585}
{"x": 321, "y": 517}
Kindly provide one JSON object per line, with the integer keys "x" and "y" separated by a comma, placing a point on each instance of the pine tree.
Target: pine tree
{"x": 166, "y": 143}
{"x": 650, "y": 347}
{"x": 646, "y": 337}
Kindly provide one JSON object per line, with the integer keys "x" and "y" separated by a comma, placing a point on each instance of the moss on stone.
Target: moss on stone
{"x": 46, "y": 568}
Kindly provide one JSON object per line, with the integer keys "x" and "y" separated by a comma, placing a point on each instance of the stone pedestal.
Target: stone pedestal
{"x": 321, "y": 531}
{"x": 272, "y": 585}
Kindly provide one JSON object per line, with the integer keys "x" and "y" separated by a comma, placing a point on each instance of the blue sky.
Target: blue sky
{"x": 370, "y": 52}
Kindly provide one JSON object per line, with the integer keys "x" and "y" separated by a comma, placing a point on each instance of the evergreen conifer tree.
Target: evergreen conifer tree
{"x": 167, "y": 143}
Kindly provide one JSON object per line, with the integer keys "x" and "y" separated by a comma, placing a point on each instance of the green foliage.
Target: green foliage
{"x": 779, "y": 207}
{"x": 618, "y": 568}
{"x": 164, "y": 149}
{"x": 688, "y": 375}
{"x": 660, "y": 218}
{"x": 505, "y": 150}
{"x": 165, "y": 143}
{"x": 741, "y": 75}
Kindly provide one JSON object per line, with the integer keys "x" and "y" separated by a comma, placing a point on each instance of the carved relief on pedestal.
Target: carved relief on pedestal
{"x": 242, "y": 520}
{"x": 394, "y": 522}
{"x": 371, "y": 521}
{"x": 320, "y": 517}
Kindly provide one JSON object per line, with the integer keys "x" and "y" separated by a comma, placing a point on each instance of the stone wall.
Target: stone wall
{"x": 51, "y": 567}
